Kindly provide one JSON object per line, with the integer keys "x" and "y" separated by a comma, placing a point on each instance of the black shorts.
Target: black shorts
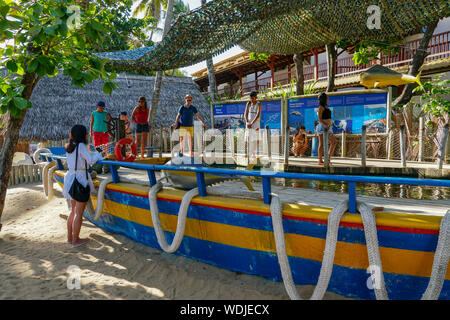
{"x": 142, "y": 127}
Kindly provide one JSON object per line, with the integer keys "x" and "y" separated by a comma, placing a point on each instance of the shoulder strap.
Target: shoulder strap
{"x": 76, "y": 158}
{"x": 76, "y": 163}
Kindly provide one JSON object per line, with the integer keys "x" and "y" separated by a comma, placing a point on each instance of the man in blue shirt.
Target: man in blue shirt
{"x": 185, "y": 121}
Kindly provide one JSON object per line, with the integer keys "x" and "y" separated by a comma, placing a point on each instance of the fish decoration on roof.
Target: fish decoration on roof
{"x": 381, "y": 77}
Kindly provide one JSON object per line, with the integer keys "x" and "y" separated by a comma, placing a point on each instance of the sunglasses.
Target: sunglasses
{"x": 188, "y": 100}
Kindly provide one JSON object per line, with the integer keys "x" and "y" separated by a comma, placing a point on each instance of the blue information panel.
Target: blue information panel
{"x": 231, "y": 116}
{"x": 349, "y": 112}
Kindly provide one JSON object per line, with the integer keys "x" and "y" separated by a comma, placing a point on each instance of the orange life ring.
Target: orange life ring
{"x": 118, "y": 150}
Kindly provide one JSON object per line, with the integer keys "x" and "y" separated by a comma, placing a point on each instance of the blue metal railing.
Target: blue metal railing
{"x": 266, "y": 177}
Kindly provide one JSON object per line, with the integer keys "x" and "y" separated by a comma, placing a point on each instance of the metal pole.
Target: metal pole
{"x": 344, "y": 144}
{"x": 363, "y": 146}
{"x": 421, "y": 129}
{"x": 160, "y": 141}
{"x": 402, "y": 146}
{"x": 390, "y": 152}
{"x": 325, "y": 147}
{"x": 442, "y": 147}
{"x": 268, "y": 143}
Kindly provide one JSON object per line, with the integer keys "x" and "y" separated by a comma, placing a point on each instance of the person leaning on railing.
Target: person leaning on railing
{"x": 325, "y": 122}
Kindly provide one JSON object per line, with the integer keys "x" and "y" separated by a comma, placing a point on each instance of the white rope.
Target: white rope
{"x": 47, "y": 179}
{"x": 330, "y": 247}
{"x": 37, "y": 153}
{"x": 373, "y": 251}
{"x": 97, "y": 213}
{"x": 181, "y": 223}
{"x": 440, "y": 262}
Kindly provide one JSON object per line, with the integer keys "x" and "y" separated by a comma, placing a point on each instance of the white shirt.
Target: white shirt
{"x": 84, "y": 155}
{"x": 253, "y": 113}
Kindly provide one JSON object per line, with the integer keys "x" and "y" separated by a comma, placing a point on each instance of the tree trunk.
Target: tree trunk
{"x": 298, "y": 60}
{"x": 211, "y": 75}
{"x": 331, "y": 60}
{"x": 159, "y": 75}
{"x": 212, "y": 80}
{"x": 11, "y": 139}
{"x": 418, "y": 60}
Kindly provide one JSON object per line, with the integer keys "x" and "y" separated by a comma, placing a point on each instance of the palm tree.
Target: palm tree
{"x": 211, "y": 75}
{"x": 159, "y": 74}
{"x": 150, "y": 8}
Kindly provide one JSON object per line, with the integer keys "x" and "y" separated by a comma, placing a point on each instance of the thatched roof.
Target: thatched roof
{"x": 58, "y": 105}
{"x": 277, "y": 27}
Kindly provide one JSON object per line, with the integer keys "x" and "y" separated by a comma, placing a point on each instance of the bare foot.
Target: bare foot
{"x": 80, "y": 242}
{"x": 321, "y": 163}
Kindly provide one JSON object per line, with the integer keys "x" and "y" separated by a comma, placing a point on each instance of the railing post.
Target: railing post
{"x": 344, "y": 144}
{"x": 389, "y": 152}
{"x": 160, "y": 141}
{"x": 363, "y": 146}
{"x": 267, "y": 190}
{"x": 171, "y": 142}
{"x": 421, "y": 129}
{"x": 402, "y": 146}
{"x": 325, "y": 148}
{"x": 352, "y": 197}
{"x": 442, "y": 147}
{"x": 201, "y": 184}
{"x": 114, "y": 174}
{"x": 151, "y": 177}
{"x": 60, "y": 164}
{"x": 268, "y": 143}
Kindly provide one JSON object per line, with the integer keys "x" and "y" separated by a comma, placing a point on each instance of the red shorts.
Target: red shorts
{"x": 100, "y": 138}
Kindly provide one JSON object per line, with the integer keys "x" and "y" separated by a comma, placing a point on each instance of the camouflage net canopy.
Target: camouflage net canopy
{"x": 277, "y": 27}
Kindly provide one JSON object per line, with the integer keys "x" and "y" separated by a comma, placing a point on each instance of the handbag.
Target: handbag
{"x": 77, "y": 191}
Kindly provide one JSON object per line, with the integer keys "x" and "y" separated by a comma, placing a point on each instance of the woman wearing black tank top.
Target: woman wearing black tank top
{"x": 324, "y": 115}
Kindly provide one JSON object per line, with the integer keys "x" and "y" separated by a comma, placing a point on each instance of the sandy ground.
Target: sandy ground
{"x": 35, "y": 262}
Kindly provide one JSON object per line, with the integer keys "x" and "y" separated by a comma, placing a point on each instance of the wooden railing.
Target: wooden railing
{"x": 25, "y": 174}
{"x": 439, "y": 47}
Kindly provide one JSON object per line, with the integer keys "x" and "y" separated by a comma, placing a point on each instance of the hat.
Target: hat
{"x": 123, "y": 113}
{"x": 101, "y": 104}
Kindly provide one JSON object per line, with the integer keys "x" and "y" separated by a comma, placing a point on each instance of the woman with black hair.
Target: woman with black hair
{"x": 325, "y": 122}
{"x": 78, "y": 163}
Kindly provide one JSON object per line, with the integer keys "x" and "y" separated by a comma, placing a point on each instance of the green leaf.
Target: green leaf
{"x": 33, "y": 66}
{"x": 12, "y": 66}
{"x": 4, "y": 10}
{"x": 21, "y": 103}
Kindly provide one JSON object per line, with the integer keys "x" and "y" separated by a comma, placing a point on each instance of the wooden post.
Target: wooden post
{"x": 390, "y": 151}
{"x": 402, "y": 146}
{"x": 421, "y": 129}
{"x": 363, "y": 146}
{"x": 316, "y": 64}
{"x": 325, "y": 148}
{"x": 344, "y": 144}
{"x": 272, "y": 71}
{"x": 160, "y": 141}
{"x": 11, "y": 177}
{"x": 171, "y": 142}
{"x": 285, "y": 129}
{"x": 268, "y": 143}
{"x": 442, "y": 147}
